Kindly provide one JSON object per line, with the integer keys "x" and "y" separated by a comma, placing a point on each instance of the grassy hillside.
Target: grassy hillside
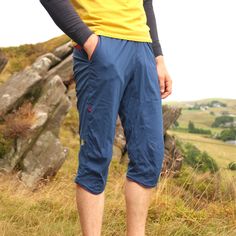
{"x": 222, "y": 152}
{"x": 192, "y": 204}
{"x": 24, "y": 55}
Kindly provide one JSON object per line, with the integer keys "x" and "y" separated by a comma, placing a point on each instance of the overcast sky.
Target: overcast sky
{"x": 198, "y": 39}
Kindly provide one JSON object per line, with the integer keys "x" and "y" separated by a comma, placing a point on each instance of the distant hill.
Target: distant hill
{"x": 202, "y": 114}
{"x": 229, "y": 102}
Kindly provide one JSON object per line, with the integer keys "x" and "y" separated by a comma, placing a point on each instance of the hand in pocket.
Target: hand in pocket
{"x": 90, "y": 45}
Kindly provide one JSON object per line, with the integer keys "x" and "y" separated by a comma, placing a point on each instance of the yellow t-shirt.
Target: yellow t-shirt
{"x": 123, "y": 19}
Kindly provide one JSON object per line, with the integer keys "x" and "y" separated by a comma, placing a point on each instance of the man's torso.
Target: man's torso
{"x": 123, "y": 19}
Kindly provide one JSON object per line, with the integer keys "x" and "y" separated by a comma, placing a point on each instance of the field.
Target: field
{"x": 193, "y": 204}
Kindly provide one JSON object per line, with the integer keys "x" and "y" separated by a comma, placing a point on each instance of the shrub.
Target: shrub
{"x": 221, "y": 120}
{"x": 228, "y": 134}
{"x": 194, "y": 130}
{"x": 232, "y": 166}
{"x": 191, "y": 126}
{"x": 199, "y": 160}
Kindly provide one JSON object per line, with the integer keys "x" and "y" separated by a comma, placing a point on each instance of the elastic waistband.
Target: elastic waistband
{"x": 78, "y": 46}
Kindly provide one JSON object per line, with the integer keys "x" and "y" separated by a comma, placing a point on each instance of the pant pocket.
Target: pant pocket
{"x": 95, "y": 49}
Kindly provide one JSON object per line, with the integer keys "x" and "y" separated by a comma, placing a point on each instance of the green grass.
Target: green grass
{"x": 201, "y": 119}
{"x": 222, "y": 152}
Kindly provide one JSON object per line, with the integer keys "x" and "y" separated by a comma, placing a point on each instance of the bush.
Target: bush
{"x": 199, "y": 160}
{"x": 221, "y": 120}
{"x": 232, "y": 166}
{"x": 194, "y": 130}
{"x": 228, "y": 134}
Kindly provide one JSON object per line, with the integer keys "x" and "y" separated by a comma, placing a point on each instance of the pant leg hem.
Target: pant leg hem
{"x": 76, "y": 181}
{"x": 142, "y": 184}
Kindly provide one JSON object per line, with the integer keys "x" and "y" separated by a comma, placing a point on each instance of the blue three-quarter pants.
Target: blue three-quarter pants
{"x": 119, "y": 79}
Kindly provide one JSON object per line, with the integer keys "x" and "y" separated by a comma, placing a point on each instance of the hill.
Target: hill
{"x": 222, "y": 152}
{"x": 24, "y": 55}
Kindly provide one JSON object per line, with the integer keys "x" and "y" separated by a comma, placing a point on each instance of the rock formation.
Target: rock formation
{"x": 39, "y": 154}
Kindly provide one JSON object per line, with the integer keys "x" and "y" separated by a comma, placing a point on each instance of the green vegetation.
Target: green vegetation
{"x": 24, "y": 55}
{"x": 222, "y": 120}
{"x": 208, "y": 187}
{"x": 232, "y": 165}
{"x": 201, "y": 161}
{"x": 214, "y": 103}
{"x": 222, "y": 153}
{"x": 194, "y": 130}
{"x": 5, "y": 145}
{"x": 228, "y": 134}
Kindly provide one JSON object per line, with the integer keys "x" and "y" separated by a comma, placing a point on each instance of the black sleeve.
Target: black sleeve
{"x": 151, "y": 22}
{"x": 66, "y": 18}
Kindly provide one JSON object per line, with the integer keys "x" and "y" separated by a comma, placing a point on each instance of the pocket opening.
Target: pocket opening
{"x": 95, "y": 49}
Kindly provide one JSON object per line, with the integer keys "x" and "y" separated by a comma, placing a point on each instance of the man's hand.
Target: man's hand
{"x": 164, "y": 78}
{"x": 90, "y": 45}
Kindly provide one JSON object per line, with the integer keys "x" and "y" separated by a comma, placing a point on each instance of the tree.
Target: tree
{"x": 191, "y": 127}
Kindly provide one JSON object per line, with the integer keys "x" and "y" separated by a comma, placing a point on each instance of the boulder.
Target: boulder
{"x": 39, "y": 154}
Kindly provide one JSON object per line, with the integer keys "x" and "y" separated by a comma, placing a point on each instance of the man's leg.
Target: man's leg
{"x": 137, "y": 200}
{"x": 141, "y": 116}
{"x": 90, "y": 208}
{"x": 99, "y": 87}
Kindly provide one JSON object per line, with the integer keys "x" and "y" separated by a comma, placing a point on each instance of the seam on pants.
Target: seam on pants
{"x": 89, "y": 114}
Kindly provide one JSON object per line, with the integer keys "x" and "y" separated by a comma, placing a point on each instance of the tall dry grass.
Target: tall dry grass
{"x": 192, "y": 204}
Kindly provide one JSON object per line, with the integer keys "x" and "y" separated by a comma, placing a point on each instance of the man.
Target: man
{"x": 119, "y": 70}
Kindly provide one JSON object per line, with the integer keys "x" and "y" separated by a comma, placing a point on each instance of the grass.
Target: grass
{"x": 222, "y": 152}
{"x": 202, "y": 119}
{"x": 52, "y": 210}
{"x": 24, "y": 55}
{"x": 191, "y": 205}
{"x": 174, "y": 209}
